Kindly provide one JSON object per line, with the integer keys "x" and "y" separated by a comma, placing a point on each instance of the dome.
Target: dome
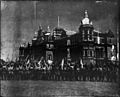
{"x": 58, "y": 30}
{"x": 86, "y": 19}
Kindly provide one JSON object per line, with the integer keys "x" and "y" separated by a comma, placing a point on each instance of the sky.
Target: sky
{"x": 19, "y": 20}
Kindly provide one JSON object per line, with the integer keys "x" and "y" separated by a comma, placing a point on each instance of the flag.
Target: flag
{"x": 50, "y": 62}
{"x": 118, "y": 56}
{"x": 62, "y": 64}
{"x": 26, "y": 58}
{"x": 81, "y": 63}
{"x": 113, "y": 58}
{"x": 28, "y": 61}
{"x": 28, "y": 66}
{"x": 112, "y": 49}
{"x": 46, "y": 65}
{"x": 39, "y": 62}
{"x": 48, "y": 28}
{"x": 98, "y": 40}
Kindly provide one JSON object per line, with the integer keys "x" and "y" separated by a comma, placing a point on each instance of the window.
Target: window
{"x": 95, "y": 39}
{"x": 68, "y": 42}
{"x": 91, "y": 37}
{"x": 86, "y": 36}
{"x": 88, "y": 32}
{"x": 83, "y": 35}
{"x": 49, "y": 46}
{"x": 93, "y": 53}
{"x": 91, "y": 32}
{"x": 102, "y": 40}
{"x": 100, "y": 52}
{"x": 83, "y": 52}
{"x": 90, "y": 53}
{"x": 49, "y": 55}
{"x": 109, "y": 40}
{"x": 85, "y": 47}
{"x": 22, "y": 53}
{"x": 90, "y": 47}
{"x": 86, "y": 52}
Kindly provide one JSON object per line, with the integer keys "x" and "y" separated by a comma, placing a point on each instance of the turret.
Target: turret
{"x": 40, "y": 31}
{"x": 86, "y": 28}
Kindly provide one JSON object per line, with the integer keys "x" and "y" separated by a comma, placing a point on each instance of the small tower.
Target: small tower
{"x": 86, "y": 28}
{"x": 48, "y": 28}
{"x": 58, "y": 22}
{"x": 40, "y": 31}
{"x": 86, "y": 19}
{"x": 86, "y": 36}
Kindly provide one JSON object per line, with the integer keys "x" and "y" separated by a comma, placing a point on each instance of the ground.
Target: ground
{"x": 58, "y": 89}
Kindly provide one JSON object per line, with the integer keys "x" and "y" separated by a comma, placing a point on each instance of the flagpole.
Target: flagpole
{"x": 117, "y": 42}
{"x": 58, "y": 22}
{"x": 35, "y": 12}
{"x": 117, "y": 61}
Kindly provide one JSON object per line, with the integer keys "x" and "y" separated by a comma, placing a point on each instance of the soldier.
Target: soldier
{"x": 10, "y": 70}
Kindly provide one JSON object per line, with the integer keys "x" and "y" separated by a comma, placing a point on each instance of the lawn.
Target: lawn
{"x": 58, "y": 89}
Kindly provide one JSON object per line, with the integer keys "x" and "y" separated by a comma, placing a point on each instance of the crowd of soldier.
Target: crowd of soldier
{"x": 18, "y": 71}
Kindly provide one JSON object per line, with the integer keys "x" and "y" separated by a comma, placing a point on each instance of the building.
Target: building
{"x": 86, "y": 46}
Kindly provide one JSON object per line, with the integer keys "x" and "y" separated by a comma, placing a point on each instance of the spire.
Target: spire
{"x": 48, "y": 28}
{"x": 86, "y": 14}
{"x": 40, "y": 27}
{"x": 58, "y": 22}
{"x": 86, "y": 19}
{"x": 91, "y": 23}
{"x": 35, "y": 12}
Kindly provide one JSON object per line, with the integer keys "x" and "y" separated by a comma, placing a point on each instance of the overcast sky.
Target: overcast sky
{"x": 18, "y": 19}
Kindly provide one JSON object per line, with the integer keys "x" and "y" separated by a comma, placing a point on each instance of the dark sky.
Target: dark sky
{"x": 18, "y": 19}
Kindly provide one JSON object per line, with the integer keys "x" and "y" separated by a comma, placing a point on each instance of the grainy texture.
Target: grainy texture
{"x": 57, "y": 89}
{"x": 18, "y": 19}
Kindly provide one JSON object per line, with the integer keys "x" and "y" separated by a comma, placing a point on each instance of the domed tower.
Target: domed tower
{"x": 86, "y": 28}
{"x": 87, "y": 40}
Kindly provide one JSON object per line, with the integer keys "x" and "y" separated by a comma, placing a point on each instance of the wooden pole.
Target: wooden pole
{"x": 35, "y": 12}
{"x": 58, "y": 22}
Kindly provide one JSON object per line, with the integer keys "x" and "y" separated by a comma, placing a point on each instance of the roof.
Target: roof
{"x": 110, "y": 33}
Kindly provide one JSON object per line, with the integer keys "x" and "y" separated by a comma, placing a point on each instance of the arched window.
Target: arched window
{"x": 49, "y": 55}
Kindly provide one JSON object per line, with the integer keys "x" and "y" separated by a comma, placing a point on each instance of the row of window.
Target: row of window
{"x": 87, "y": 35}
{"x": 99, "y": 40}
{"x": 96, "y": 39}
{"x": 88, "y": 32}
{"x": 49, "y": 46}
{"x": 89, "y": 53}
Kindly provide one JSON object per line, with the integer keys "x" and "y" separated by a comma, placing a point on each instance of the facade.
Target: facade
{"x": 87, "y": 46}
